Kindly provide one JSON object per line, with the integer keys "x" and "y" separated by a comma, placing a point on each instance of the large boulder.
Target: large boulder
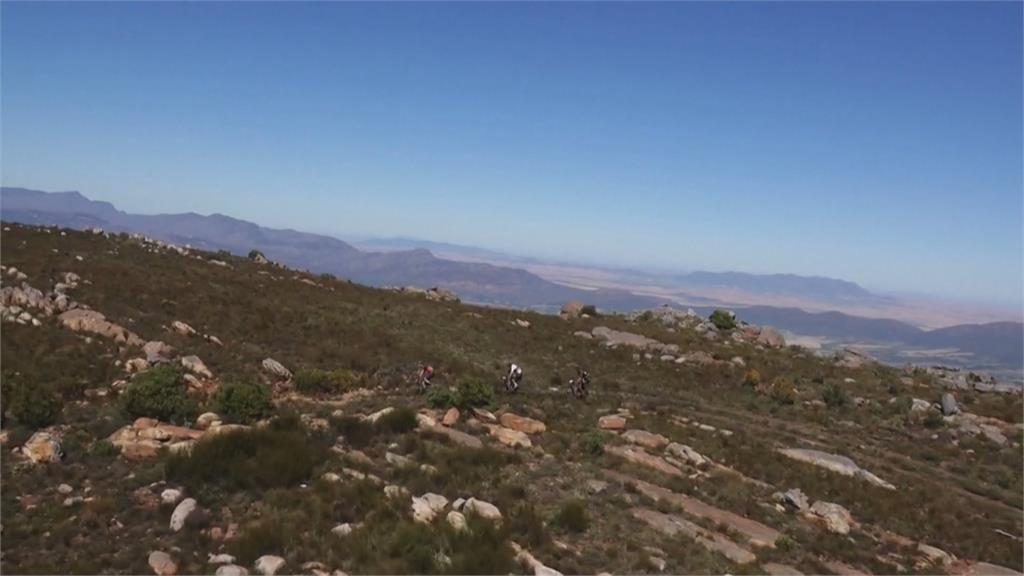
{"x": 43, "y": 447}
{"x": 949, "y": 404}
{"x": 269, "y": 565}
{"x": 611, "y": 422}
{"x": 439, "y": 294}
{"x": 771, "y": 338}
{"x": 276, "y": 368}
{"x": 688, "y": 454}
{"x": 571, "y": 309}
{"x": 182, "y": 328}
{"x": 837, "y": 519}
{"x": 482, "y": 509}
{"x": 522, "y": 423}
{"x": 426, "y": 507}
{"x": 451, "y": 417}
{"x": 157, "y": 351}
{"x": 793, "y": 499}
{"x": 510, "y": 437}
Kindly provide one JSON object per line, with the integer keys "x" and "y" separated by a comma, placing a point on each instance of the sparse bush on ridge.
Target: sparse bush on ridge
{"x": 723, "y": 319}
{"x": 159, "y": 393}
{"x": 32, "y": 405}
{"x": 398, "y": 421}
{"x": 834, "y": 396}
{"x": 317, "y": 381}
{"x": 572, "y": 517}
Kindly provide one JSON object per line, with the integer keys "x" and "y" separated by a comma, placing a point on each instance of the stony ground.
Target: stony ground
{"x": 698, "y": 451}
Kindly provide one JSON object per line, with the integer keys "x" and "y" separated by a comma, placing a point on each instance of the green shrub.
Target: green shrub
{"x": 159, "y": 393}
{"x": 723, "y": 319}
{"x": 256, "y": 255}
{"x": 934, "y": 419}
{"x": 474, "y": 392}
{"x": 103, "y": 449}
{"x": 398, "y": 421}
{"x": 442, "y": 398}
{"x": 33, "y": 405}
{"x": 835, "y": 396}
{"x": 253, "y": 459}
{"x": 242, "y": 402}
{"x": 318, "y": 381}
{"x": 592, "y": 443}
{"x": 589, "y": 310}
{"x": 572, "y": 516}
{"x": 357, "y": 433}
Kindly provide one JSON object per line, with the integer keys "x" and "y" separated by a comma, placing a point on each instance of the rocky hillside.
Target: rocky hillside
{"x": 169, "y": 411}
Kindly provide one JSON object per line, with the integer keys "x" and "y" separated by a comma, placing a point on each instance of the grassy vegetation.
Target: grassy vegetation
{"x": 340, "y": 336}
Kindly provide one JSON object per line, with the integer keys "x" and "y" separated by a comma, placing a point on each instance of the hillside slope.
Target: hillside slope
{"x": 672, "y": 464}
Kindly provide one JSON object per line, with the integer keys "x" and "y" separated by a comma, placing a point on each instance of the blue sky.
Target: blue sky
{"x": 880, "y": 142}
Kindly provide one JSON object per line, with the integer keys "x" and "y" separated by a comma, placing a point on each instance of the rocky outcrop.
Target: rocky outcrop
{"x": 949, "y": 404}
{"x": 427, "y": 424}
{"x": 524, "y": 557}
{"x": 616, "y": 338}
{"x": 439, "y": 294}
{"x": 793, "y": 499}
{"x": 157, "y": 351}
{"x": 196, "y": 366}
{"x": 687, "y": 454}
{"x": 522, "y": 423}
{"x": 673, "y": 525}
{"x": 852, "y": 358}
{"x": 770, "y": 338}
{"x": 451, "y": 417}
{"x": 839, "y": 464}
{"x": 638, "y": 456}
{"x": 269, "y": 565}
{"x": 509, "y": 437}
{"x": 145, "y": 437}
{"x": 645, "y": 438}
{"x": 183, "y": 328}
{"x": 80, "y": 320}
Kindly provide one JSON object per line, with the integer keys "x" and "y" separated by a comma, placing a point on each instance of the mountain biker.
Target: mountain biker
{"x": 514, "y": 378}
{"x": 581, "y": 383}
{"x": 425, "y": 375}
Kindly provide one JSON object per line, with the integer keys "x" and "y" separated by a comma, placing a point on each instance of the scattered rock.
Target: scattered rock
{"x": 949, "y": 405}
{"x": 484, "y": 415}
{"x": 571, "y": 309}
{"x": 80, "y": 320}
{"x": 688, "y": 454}
{"x": 157, "y": 351}
{"x": 524, "y": 557}
{"x": 43, "y": 447}
{"x": 220, "y": 559}
{"x": 394, "y": 491}
{"x": 638, "y": 456}
{"x": 852, "y": 358}
{"x": 793, "y": 499}
{"x": 276, "y": 368}
{"x": 269, "y": 565}
{"x": 611, "y": 422}
{"x": 231, "y": 570}
{"x": 522, "y": 423}
{"x": 342, "y": 530}
{"x": 398, "y": 460}
{"x": 457, "y": 520}
{"x": 372, "y": 418}
{"x": 614, "y": 338}
{"x": 162, "y": 564}
{"x": 170, "y": 496}
{"x": 65, "y": 489}
{"x": 771, "y": 338}
{"x": 918, "y": 405}
{"x": 207, "y": 420}
{"x": 182, "y": 328}
{"x": 522, "y": 323}
{"x": 181, "y": 513}
{"x": 196, "y": 366}
{"x": 595, "y": 486}
{"x": 672, "y": 525}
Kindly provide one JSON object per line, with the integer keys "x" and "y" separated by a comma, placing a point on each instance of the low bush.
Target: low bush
{"x": 572, "y": 516}
{"x": 33, "y": 405}
{"x": 442, "y": 398}
{"x": 723, "y": 319}
{"x": 247, "y": 459}
{"x": 834, "y": 396}
{"x": 357, "y": 433}
{"x": 159, "y": 393}
{"x": 592, "y": 443}
{"x": 474, "y": 392}
{"x": 243, "y": 402}
{"x": 783, "y": 391}
{"x": 589, "y": 310}
{"x": 752, "y": 378}
{"x": 318, "y": 381}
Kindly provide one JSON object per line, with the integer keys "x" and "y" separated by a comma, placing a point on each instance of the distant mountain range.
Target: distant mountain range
{"x": 476, "y": 282}
{"x": 994, "y": 343}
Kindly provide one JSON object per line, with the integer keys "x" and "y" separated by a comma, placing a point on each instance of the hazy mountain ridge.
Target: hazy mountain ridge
{"x": 479, "y": 282}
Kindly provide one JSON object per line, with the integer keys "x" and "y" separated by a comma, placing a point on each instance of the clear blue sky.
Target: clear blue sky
{"x": 880, "y": 143}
